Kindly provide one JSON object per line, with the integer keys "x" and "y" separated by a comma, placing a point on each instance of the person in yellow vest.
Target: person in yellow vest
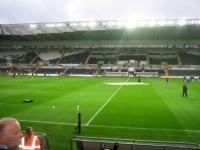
{"x": 29, "y": 141}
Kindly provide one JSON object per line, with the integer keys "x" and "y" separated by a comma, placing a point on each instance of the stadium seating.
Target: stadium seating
{"x": 99, "y": 62}
{"x": 189, "y": 59}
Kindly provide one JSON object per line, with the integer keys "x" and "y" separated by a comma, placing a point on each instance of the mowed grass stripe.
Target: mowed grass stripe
{"x": 186, "y": 110}
{"x": 105, "y": 104}
{"x": 65, "y": 94}
{"x": 117, "y": 127}
{"x": 137, "y": 106}
{"x": 150, "y": 112}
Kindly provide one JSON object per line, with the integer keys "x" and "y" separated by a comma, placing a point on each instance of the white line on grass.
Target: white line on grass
{"x": 105, "y": 104}
{"x": 61, "y": 123}
{"x": 117, "y": 127}
{"x": 153, "y": 129}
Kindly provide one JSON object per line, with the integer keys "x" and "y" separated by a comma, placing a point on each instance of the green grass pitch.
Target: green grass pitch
{"x": 117, "y": 110}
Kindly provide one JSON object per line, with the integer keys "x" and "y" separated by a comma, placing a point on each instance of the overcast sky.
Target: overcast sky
{"x": 41, "y": 11}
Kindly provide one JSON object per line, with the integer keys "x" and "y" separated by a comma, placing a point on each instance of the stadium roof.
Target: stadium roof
{"x": 103, "y": 30}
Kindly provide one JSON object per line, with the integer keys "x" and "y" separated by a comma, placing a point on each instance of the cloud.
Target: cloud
{"x": 38, "y": 11}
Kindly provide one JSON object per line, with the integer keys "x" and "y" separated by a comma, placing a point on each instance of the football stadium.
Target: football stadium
{"x": 104, "y": 85}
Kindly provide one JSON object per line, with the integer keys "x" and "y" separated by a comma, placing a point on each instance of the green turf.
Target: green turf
{"x": 142, "y": 112}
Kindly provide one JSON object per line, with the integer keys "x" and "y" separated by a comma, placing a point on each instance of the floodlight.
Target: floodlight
{"x": 151, "y": 23}
{"x": 60, "y": 24}
{"x": 170, "y": 22}
{"x": 92, "y": 24}
{"x": 74, "y": 24}
{"x": 52, "y": 25}
{"x": 120, "y": 23}
{"x": 182, "y": 22}
{"x": 198, "y": 21}
{"x": 111, "y": 23}
{"x": 191, "y": 21}
{"x": 33, "y": 25}
{"x": 103, "y": 23}
{"x": 130, "y": 23}
{"x": 83, "y": 23}
{"x": 161, "y": 22}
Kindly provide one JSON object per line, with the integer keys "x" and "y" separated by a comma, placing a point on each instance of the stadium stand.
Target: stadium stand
{"x": 111, "y": 64}
{"x": 189, "y": 59}
{"x": 78, "y": 58}
{"x": 49, "y": 71}
{"x": 49, "y": 55}
{"x": 158, "y": 58}
{"x": 106, "y": 58}
{"x": 106, "y": 49}
{"x": 81, "y": 71}
{"x": 184, "y": 72}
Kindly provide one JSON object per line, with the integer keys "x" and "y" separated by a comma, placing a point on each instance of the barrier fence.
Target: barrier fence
{"x": 89, "y": 143}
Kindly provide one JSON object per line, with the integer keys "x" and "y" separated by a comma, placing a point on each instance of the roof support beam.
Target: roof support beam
{"x": 75, "y": 31}
{"x": 8, "y": 29}
{"x": 155, "y": 35}
{"x": 173, "y": 33}
{"x": 189, "y": 33}
{"x": 108, "y": 33}
{"x": 61, "y": 33}
{"x": 47, "y": 33}
{"x": 2, "y": 32}
{"x": 93, "y": 34}
{"x": 32, "y": 33}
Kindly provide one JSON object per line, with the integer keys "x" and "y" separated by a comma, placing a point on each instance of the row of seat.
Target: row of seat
{"x": 80, "y": 57}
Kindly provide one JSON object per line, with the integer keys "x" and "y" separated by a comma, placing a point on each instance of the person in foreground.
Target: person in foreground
{"x": 10, "y": 133}
{"x": 29, "y": 141}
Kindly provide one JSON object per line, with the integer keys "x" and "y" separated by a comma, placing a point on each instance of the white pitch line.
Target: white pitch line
{"x": 117, "y": 127}
{"x": 61, "y": 123}
{"x": 105, "y": 104}
{"x": 145, "y": 128}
